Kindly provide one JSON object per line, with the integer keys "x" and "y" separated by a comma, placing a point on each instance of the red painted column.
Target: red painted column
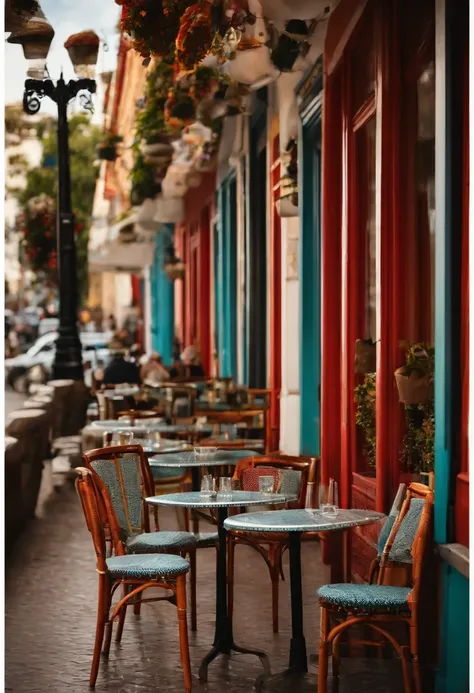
{"x": 275, "y": 303}
{"x": 204, "y": 306}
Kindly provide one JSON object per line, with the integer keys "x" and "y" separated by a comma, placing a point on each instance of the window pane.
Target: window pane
{"x": 365, "y": 142}
{"x": 425, "y": 190}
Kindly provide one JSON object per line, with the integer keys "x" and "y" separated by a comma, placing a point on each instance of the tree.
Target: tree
{"x": 83, "y": 141}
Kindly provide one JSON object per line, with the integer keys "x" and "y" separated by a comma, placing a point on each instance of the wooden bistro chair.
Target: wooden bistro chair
{"x": 381, "y": 605}
{"x": 293, "y": 476}
{"x": 124, "y": 472}
{"x": 134, "y": 572}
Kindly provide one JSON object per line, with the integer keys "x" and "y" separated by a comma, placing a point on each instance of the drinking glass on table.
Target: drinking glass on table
{"x": 149, "y": 440}
{"x": 207, "y": 486}
{"x": 127, "y": 420}
{"x": 125, "y": 437}
{"x": 211, "y": 453}
{"x": 331, "y": 507}
{"x": 265, "y": 484}
{"x": 201, "y": 454}
{"x": 225, "y": 487}
{"x": 107, "y": 438}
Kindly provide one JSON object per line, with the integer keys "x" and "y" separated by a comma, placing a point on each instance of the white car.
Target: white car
{"x": 36, "y": 364}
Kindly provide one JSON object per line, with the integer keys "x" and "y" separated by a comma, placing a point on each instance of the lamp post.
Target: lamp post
{"x": 35, "y": 37}
{"x": 68, "y": 354}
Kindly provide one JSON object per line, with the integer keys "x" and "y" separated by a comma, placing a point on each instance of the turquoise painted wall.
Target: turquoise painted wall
{"x": 453, "y": 670}
{"x": 310, "y": 289}
{"x": 162, "y": 297}
{"x": 226, "y": 273}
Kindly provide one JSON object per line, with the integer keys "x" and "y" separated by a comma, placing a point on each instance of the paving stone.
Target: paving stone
{"x": 51, "y": 593}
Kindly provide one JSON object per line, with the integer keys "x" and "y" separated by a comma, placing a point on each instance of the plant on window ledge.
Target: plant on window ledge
{"x": 364, "y": 396}
{"x": 417, "y": 453}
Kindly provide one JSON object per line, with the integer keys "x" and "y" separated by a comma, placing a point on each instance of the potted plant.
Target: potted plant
{"x": 415, "y": 379}
{"x": 107, "y": 149}
{"x": 144, "y": 182}
{"x": 83, "y": 48}
{"x": 288, "y": 48}
{"x": 365, "y": 398}
{"x": 153, "y": 25}
{"x": 365, "y": 359}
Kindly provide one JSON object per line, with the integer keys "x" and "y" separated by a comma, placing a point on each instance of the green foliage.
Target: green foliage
{"x": 83, "y": 141}
{"x": 364, "y": 396}
{"x": 418, "y": 443}
{"x": 144, "y": 183}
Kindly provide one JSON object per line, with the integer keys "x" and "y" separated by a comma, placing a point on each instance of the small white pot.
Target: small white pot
{"x": 169, "y": 210}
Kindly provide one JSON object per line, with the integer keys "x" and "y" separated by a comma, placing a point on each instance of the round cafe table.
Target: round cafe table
{"x": 223, "y": 638}
{"x": 295, "y": 522}
{"x": 155, "y": 425}
{"x": 187, "y": 460}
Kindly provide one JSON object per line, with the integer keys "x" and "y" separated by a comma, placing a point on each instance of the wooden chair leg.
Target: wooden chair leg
{"x": 406, "y": 667}
{"x": 137, "y": 607}
{"x": 183, "y": 631}
{"x": 192, "y": 579}
{"x": 121, "y": 621}
{"x": 186, "y": 519}
{"x": 102, "y": 616}
{"x": 415, "y": 659}
{"x": 323, "y": 653}
{"x": 230, "y": 576}
{"x": 274, "y": 557}
{"x": 336, "y": 662}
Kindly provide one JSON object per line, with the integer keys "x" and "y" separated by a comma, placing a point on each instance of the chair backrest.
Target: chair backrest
{"x": 421, "y": 546}
{"x": 390, "y": 521}
{"x": 306, "y": 466}
{"x": 399, "y": 545}
{"x": 89, "y": 496}
{"x": 126, "y": 475}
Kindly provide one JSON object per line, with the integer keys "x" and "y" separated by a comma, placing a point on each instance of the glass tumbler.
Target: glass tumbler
{"x": 331, "y": 508}
{"x": 265, "y": 484}
{"x": 207, "y": 486}
{"x": 125, "y": 437}
{"x": 225, "y": 487}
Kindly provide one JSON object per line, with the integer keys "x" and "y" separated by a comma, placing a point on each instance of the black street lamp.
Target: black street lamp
{"x": 68, "y": 355}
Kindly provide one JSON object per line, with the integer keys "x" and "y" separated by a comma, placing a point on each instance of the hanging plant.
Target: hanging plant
{"x": 180, "y": 110}
{"x": 205, "y": 83}
{"x": 364, "y": 397}
{"x": 416, "y": 378}
{"x": 415, "y": 381}
{"x": 107, "y": 149}
{"x": 289, "y": 45}
{"x": 37, "y": 227}
{"x": 195, "y": 36}
{"x": 152, "y": 24}
{"x": 144, "y": 181}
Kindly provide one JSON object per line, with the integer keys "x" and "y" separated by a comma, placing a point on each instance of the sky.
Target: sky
{"x": 66, "y": 17}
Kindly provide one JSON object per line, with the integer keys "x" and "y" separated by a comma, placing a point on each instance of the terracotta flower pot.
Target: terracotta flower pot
{"x": 412, "y": 388}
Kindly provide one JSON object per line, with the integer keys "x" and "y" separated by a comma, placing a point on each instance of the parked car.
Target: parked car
{"x": 36, "y": 364}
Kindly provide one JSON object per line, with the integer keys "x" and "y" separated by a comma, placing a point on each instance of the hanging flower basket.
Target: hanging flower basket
{"x": 83, "y": 48}
{"x": 169, "y": 210}
{"x": 174, "y": 271}
{"x": 195, "y": 36}
{"x": 412, "y": 388}
{"x": 288, "y": 48}
{"x": 415, "y": 380}
{"x": 365, "y": 356}
{"x": 107, "y": 149}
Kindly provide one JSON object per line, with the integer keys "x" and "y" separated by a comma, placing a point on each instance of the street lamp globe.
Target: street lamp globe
{"x": 83, "y": 49}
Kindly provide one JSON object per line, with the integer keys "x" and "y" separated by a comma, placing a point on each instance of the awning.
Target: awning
{"x": 122, "y": 257}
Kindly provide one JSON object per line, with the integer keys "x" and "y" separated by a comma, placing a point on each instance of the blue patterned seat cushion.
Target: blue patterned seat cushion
{"x": 162, "y": 473}
{"x": 401, "y": 549}
{"x": 147, "y": 566}
{"x": 365, "y": 598}
{"x": 160, "y": 542}
{"x": 204, "y": 539}
{"x": 123, "y": 481}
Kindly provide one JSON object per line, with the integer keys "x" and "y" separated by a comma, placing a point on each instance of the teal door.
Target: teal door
{"x": 310, "y": 286}
{"x": 226, "y": 275}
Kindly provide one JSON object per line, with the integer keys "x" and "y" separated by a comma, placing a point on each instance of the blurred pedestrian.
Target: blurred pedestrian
{"x": 119, "y": 370}
{"x": 153, "y": 372}
{"x": 188, "y": 366}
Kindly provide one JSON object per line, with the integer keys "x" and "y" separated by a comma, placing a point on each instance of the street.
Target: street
{"x": 13, "y": 400}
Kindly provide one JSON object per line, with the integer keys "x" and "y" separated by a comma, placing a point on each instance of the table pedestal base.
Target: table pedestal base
{"x": 222, "y": 647}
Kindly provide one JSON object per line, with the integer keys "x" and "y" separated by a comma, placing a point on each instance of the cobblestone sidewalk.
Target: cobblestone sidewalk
{"x": 51, "y": 593}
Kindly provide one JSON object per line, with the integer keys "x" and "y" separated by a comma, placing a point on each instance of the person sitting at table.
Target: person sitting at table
{"x": 153, "y": 371}
{"x": 119, "y": 370}
{"x": 188, "y": 365}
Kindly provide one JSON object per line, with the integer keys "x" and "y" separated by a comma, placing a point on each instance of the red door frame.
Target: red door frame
{"x": 275, "y": 291}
